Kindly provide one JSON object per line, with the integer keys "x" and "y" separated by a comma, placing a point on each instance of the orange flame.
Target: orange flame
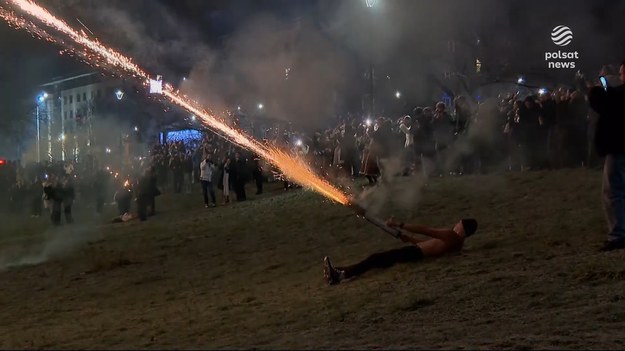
{"x": 97, "y": 54}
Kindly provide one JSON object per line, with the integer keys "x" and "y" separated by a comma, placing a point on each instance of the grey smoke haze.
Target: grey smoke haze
{"x": 294, "y": 74}
{"x": 54, "y": 243}
{"x": 404, "y": 194}
{"x": 404, "y": 39}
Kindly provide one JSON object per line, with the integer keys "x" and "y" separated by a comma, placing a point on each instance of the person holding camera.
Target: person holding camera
{"x": 609, "y": 103}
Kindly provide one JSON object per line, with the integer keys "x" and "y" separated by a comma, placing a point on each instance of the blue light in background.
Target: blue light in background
{"x": 185, "y": 135}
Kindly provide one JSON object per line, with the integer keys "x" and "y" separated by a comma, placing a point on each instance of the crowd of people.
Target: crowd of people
{"x": 542, "y": 130}
{"x": 547, "y": 130}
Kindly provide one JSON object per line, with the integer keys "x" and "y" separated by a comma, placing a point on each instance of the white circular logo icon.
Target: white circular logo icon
{"x": 562, "y": 35}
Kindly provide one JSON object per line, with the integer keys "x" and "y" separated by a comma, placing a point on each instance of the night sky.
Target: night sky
{"x": 172, "y": 36}
{"x": 27, "y": 62}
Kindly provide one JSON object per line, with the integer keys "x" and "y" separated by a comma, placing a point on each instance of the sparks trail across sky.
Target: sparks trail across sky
{"x": 97, "y": 54}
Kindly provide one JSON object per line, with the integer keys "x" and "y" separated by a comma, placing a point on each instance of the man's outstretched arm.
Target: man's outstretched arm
{"x": 441, "y": 234}
{"x": 410, "y": 239}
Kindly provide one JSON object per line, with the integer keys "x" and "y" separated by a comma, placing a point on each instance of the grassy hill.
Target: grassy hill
{"x": 250, "y": 275}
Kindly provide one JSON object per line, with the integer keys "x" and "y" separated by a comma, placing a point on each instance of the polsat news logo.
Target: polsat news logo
{"x": 561, "y": 36}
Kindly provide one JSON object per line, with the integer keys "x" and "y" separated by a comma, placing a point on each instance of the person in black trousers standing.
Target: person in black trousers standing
{"x": 609, "y": 103}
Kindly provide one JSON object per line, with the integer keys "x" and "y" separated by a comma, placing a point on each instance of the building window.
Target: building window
{"x": 71, "y": 114}
{"x": 84, "y": 96}
{"x": 71, "y": 98}
{"x": 478, "y": 66}
{"x": 77, "y": 97}
{"x": 65, "y": 100}
{"x": 451, "y": 45}
{"x": 65, "y": 115}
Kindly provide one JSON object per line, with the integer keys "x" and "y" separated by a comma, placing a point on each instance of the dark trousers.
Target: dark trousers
{"x": 67, "y": 209}
{"x": 259, "y": 183}
{"x": 142, "y": 207}
{"x": 55, "y": 216}
{"x": 614, "y": 195}
{"x": 207, "y": 188}
{"x": 178, "y": 181}
{"x": 384, "y": 259}
{"x": 123, "y": 205}
{"x": 37, "y": 206}
{"x": 351, "y": 165}
{"x": 239, "y": 189}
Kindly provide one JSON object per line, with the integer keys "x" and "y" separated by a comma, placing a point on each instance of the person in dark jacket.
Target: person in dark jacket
{"x": 177, "y": 166}
{"x": 68, "y": 195}
{"x": 53, "y": 191}
{"x": 123, "y": 198}
{"x": 146, "y": 193}
{"x": 610, "y": 105}
{"x": 238, "y": 171}
{"x": 34, "y": 194}
{"x": 257, "y": 173}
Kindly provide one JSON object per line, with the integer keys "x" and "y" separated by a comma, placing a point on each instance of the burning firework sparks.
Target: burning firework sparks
{"x": 98, "y": 50}
{"x": 97, "y": 54}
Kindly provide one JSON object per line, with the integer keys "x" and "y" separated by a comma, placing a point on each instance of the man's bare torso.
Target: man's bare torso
{"x": 437, "y": 247}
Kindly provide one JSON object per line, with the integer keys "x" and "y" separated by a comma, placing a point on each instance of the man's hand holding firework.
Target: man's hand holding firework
{"x": 392, "y": 222}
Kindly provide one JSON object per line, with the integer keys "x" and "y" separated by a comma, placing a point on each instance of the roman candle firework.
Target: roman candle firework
{"x": 98, "y": 55}
{"x": 362, "y": 212}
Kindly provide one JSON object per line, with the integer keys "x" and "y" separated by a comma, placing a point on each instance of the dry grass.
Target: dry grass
{"x": 249, "y": 276}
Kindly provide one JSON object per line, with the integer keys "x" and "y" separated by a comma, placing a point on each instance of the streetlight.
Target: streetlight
{"x": 521, "y": 80}
{"x": 193, "y": 117}
{"x": 238, "y": 108}
{"x": 370, "y": 4}
{"x": 41, "y": 98}
{"x": 136, "y": 129}
{"x": 260, "y": 106}
{"x": 397, "y": 94}
{"x": 119, "y": 94}
{"x": 542, "y": 91}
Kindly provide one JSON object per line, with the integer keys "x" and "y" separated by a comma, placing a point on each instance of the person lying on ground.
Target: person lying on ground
{"x": 441, "y": 241}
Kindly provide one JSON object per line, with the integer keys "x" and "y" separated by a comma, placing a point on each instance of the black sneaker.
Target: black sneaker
{"x": 612, "y": 245}
{"x": 331, "y": 274}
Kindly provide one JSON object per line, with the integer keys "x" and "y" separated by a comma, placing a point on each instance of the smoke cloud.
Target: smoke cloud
{"x": 407, "y": 41}
{"x": 55, "y": 243}
{"x": 403, "y": 192}
{"x": 296, "y": 73}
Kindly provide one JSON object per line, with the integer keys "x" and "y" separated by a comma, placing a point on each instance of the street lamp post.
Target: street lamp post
{"x": 38, "y": 137}
{"x": 370, "y": 4}
{"x": 41, "y": 98}
{"x": 119, "y": 95}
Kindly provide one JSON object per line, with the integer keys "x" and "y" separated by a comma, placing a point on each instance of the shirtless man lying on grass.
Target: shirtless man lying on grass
{"x": 441, "y": 241}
